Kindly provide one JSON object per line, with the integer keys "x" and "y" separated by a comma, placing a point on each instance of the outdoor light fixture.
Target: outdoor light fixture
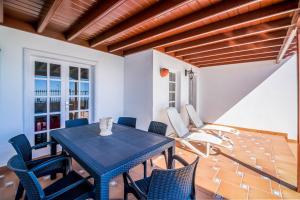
{"x": 164, "y": 72}
{"x": 189, "y": 73}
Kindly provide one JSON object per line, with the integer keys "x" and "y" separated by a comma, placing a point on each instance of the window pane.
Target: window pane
{"x": 73, "y": 115}
{"x": 84, "y": 114}
{"x": 54, "y": 121}
{"x": 171, "y": 96}
{"x": 73, "y": 88}
{"x": 73, "y": 103}
{"x": 172, "y": 77}
{"x": 40, "y": 123}
{"x": 172, "y": 86}
{"x": 84, "y": 74}
{"x": 171, "y": 104}
{"x": 40, "y": 105}
{"x": 40, "y": 88}
{"x": 55, "y": 88}
{"x": 55, "y": 104}
{"x": 54, "y": 71}
{"x": 84, "y": 103}
{"x": 84, "y": 88}
{"x": 40, "y": 69}
{"x": 73, "y": 73}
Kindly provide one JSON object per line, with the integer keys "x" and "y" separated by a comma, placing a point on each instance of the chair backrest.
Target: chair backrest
{"x": 22, "y": 146}
{"x": 175, "y": 184}
{"x": 127, "y": 121}
{"x": 27, "y": 178}
{"x": 76, "y": 122}
{"x": 193, "y": 116}
{"x": 158, "y": 127}
{"x": 177, "y": 122}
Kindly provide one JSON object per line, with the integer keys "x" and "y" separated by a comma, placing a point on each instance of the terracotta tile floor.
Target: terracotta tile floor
{"x": 226, "y": 174}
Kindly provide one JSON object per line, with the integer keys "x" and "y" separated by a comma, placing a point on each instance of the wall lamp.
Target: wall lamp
{"x": 189, "y": 73}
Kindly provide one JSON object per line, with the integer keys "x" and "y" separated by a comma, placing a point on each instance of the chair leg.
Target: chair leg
{"x": 166, "y": 159}
{"x": 20, "y": 191}
{"x": 126, "y": 186}
{"x": 145, "y": 169}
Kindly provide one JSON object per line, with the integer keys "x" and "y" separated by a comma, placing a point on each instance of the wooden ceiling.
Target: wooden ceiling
{"x": 201, "y": 32}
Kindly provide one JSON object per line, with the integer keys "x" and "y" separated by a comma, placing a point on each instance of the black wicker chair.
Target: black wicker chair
{"x": 24, "y": 150}
{"x": 175, "y": 184}
{"x": 70, "y": 187}
{"x": 127, "y": 121}
{"x": 161, "y": 129}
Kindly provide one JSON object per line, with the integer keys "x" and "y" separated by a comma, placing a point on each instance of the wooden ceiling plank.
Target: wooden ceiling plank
{"x": 182, "y": 22}
{"x": 291, "y": 34}
{"x": 97, "y": 12}
{"x": 285, "y": 7}
{"x": 253, "y": 55}
{"x": 234, "y": 43}
{"x": 1, "y": 11}
{"x": 239, "y": 33}
{"x": 237, "y": 54}
{"x": 238, "y": 62}
{"x": 258, "y": 45}
{"x": 155, "y": 10}
{"x": 44, "y": 21}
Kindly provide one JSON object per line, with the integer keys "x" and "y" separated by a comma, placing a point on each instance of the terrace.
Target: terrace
{"x": 213, "y": 79}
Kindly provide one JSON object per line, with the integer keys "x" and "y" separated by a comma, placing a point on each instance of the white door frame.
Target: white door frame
{"x": 28, "y": 84}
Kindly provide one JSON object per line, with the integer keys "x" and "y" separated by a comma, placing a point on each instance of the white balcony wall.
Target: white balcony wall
{"x": 257, "y": 95}
{"x": 109, "y": 79}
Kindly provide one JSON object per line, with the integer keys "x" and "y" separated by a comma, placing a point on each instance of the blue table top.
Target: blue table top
{"x": 104, "y": 153}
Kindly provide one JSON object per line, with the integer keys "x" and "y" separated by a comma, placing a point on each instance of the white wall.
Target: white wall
{"x": 258, "y": 95}
{"x": 109, "y": 75}
{"x": 161, "y": 86}
{"x": 138, "y": 78}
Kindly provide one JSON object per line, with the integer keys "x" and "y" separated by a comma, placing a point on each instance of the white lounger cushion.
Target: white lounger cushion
{"x": 193, "y": 116}
{"x": 202, "y": 136}
{"x": 177, "y": 123}
{"x": 199, "y": 124}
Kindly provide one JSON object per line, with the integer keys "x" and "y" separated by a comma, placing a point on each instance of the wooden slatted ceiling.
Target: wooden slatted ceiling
{"x": 69, "y": 12}
{"x": 121, "y": 32}
{"x": 201, "y": 32}
{"x": 124, "y": 11}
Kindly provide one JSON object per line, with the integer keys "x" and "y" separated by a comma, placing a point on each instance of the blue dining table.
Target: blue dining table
{"x": 106, "y": 157}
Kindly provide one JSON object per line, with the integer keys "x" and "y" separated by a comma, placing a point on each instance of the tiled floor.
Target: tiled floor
{"x": 226, "y": 174}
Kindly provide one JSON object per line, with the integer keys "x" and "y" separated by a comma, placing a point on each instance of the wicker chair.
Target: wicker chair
{"x": 72, "y": 186}
{"x": 24, "y": 150}
{"x": 175, "y": 184}
{"x": 127, "y": 121}
{"x": 161, "y": 129}
{"x": 76, "y": 122}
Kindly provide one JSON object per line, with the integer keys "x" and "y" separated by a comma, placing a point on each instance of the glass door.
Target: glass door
{"x": 78, "y": 104}
{"x": 61, "y": 91}
{"x": 48, "y": 97}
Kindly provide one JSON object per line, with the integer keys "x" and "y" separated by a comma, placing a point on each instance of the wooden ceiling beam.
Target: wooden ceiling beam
{"x": 155, "y": 10}
{"x": 226, "y": 61}
{"x": 238, "y": 61}
{"x": 234, "y": 43}
{"x": 182, "y": 22}
{"x": 44, "y": 21}
{"x": 1, "y": 11}
{"x": 279, "y": 9}
{"x": 221, "y": 59}
{"x": 237, "y": 54}
{"x": 239, "y": 33}
{"x": 247, "y": 47}
{"x": 101, "y": 9}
